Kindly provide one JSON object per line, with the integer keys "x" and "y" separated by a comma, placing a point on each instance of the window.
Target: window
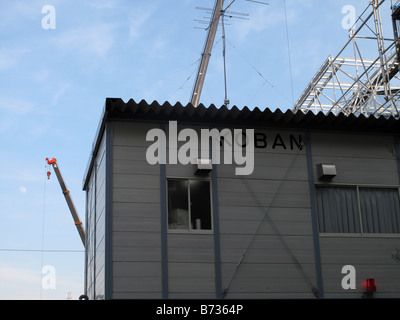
{"x": 189, "y": 205}
{"x": 380, "y": 210}
{"x": 358, "y": 210}
{"x": 338, "y": 210}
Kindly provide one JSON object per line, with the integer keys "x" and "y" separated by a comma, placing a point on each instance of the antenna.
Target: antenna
{"x": 232, "y": 14}
{"x": 206, "y": 54}
{"x": 216, "y": 14}
{"x": 259, "y": 2}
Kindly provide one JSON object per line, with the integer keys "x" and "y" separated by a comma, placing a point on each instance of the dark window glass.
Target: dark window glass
{"x": 189, "y": 204}
{"x": 338, "y": 210}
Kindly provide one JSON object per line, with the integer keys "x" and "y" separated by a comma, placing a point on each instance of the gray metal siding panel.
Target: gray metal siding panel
{"x": 359, "y": 159}
{"x": 90, "y": 238}
{"x": 137, "y": 254}
{"x": 136, "y": 216}
{"x": 95, "y": 227}
{"x": 397, "y": 154}
{"x": 361, "y": 170}
{"x": 351, "y": 145}
{"x": 319, "y": 289}
{"x": 137, "y": 239}
{"x": 164, "y": 236}
{"x": 371, "y": 257}
{"x": 109, "y": 133}
{"x": 144, "y": 181}
{"x": 216, "y": 227}
{"x": 191, "y": 267}
{"x": 280, "y": 185}
{"x": 267, "y": 256}
{"x": 133, "y": 167}
{"x": 136, "y": 195}
{"x": 136, "y": 285}
{"x": 124, "y": 209}
{"x": 136, "y": 224}
{"x": 271, "y": 167}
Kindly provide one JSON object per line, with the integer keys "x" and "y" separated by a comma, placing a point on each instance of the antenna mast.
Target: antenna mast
{"x": 205, "y": 58}
{"x": 217, "y": 13}
{"x": 226, "y": 100}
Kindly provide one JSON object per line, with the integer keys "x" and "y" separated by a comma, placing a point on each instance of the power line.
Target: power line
{"x": 288, "y": 46}
{"x": 164, "y": 77}
{"x": 266, "y": 81}
{"x": 181, "y": 87}
{"x": 41, "y": 250}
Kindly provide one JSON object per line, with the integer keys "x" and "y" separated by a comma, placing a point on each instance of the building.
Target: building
{"x": 317, "y": 216}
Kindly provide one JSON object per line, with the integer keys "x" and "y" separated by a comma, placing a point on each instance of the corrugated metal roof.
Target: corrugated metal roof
{"x": 116, "y": 108}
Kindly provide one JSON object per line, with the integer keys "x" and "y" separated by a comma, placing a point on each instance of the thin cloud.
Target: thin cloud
{"x": 60, "y": 92}
{"x": 106, "y": 4}
{"x": 12, "y": 279}
{"x": 137, "y": 22}
{"x": 11, "y": 274}
{"x": 266, "y": 17}
{"x": 16, "y": 106}
{"x": 93, "y": 40}
{"x": 10, "y": 57}
{"x": 18, "y": 283}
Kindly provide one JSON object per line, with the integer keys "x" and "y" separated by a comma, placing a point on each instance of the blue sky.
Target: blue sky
{"x": 54, "y": 83}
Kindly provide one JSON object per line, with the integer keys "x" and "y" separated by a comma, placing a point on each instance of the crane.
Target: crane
{"x": 65, "y": 191}
{"x": 205, "y": 56}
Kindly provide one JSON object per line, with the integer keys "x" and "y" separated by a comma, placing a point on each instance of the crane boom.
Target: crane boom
{"x": 205, "y": 58}
{"x": 68, "y": 198}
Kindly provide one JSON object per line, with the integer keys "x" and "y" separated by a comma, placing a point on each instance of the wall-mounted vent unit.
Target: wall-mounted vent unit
{"x": 326, "y": 171}
{"x": 203, "y": 167}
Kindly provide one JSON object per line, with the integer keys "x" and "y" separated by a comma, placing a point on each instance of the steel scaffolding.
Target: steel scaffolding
{"x": 355, "y": 84}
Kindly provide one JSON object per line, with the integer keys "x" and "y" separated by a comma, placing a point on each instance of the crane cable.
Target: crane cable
{"x": 48, "y": 173}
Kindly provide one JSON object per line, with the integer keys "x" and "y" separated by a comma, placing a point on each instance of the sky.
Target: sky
{"x": 60, "y": 60}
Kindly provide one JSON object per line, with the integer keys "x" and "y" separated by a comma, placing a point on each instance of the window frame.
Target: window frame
{"x": 361, "y": 233}
{"x": 190, "y": 230}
